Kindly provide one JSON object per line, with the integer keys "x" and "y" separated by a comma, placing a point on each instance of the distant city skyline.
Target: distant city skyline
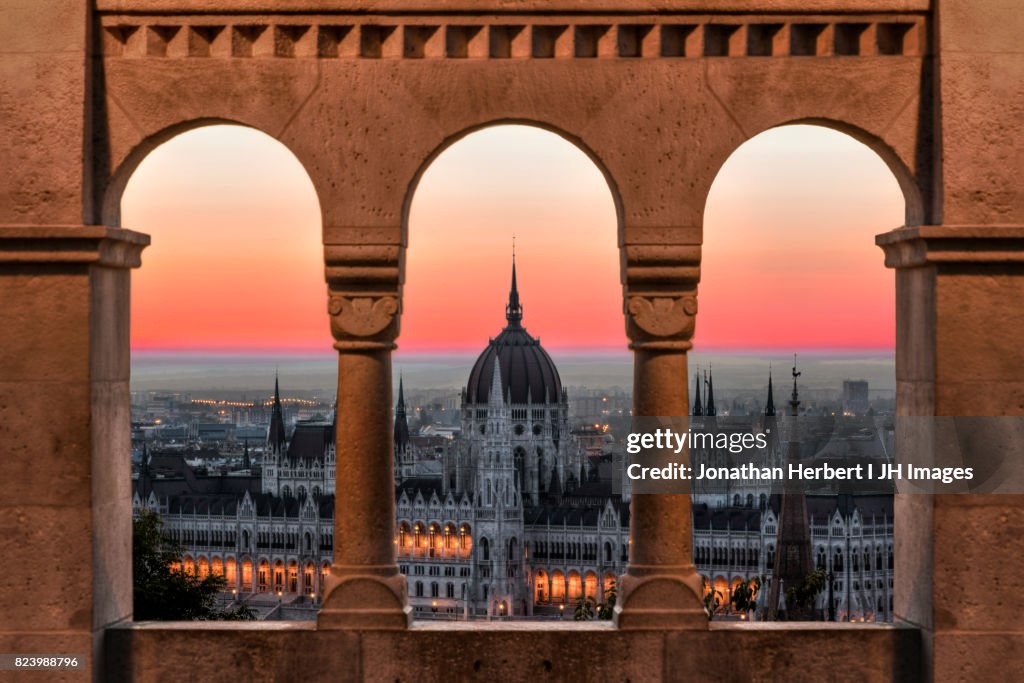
{"x": 425, "y": 371}
{"x": 788, "y": 259}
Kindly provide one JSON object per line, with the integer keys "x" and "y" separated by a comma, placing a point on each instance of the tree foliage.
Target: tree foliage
{"x": 743, "y": 596}
{"x": 712, "y": 599}
{"x": 801, "y": 598}
{"x": 163, "y": 592}
{"x": 587, "y": 610}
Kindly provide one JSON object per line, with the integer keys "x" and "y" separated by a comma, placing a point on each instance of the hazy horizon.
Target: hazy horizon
{"x": 734, "y": 371}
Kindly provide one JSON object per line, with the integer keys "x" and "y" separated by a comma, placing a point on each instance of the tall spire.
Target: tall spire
{"x": 401, "y": 421}
{"x": 275, "y": 434}
{"x": 769, "y": 410}
{"x": 496, "y": 399}
{"x": 698, "y": 409}
{"x": 709, "y": 401}
{"x": 514, "y": 310}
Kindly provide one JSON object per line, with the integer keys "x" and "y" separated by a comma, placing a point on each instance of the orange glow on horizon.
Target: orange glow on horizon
{"x": 236, "y": 259}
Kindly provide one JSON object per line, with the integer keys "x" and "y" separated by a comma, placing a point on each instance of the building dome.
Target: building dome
{"x": 527, "y": 370}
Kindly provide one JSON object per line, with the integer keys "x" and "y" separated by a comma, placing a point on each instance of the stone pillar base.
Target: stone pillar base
{"x": 365, "y": 603}
{"x": 660, "y": 602}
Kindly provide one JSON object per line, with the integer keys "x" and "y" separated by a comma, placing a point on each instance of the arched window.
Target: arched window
{"x": 540, "y": 582}
{"x": 247, "y": 576}
{"x": 485, "y": 549}
{"x": 278, "y": 577}
{"x": 307, "y": 577}
{"x": 264, "y": 576}
{"x": 557, "y": 586}
{"x": 575, "y": 585}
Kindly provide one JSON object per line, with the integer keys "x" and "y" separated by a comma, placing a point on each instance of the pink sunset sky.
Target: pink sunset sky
{"x": 236, "y": 258}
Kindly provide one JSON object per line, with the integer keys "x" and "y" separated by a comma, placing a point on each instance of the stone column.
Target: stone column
{"x": 364, "y": 589}
{"x": 958, "y": 352}
{"x": 661, "y": 588}
{"x": 65, "y": 502}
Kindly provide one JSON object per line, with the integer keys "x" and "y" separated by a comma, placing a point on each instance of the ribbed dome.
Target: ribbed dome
{"x": 526, "y": 368}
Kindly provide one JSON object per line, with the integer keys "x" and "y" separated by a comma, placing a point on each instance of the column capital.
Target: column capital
{"x": 660, "y": 296}
{"x": 364, "y": 292}
{"x": 929, "y": 245}
{"x": 71, "y": 245}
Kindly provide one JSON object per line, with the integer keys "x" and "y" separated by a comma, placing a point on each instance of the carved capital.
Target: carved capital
{"x": 661, "y": 320}
{"x": 363, "y": 320}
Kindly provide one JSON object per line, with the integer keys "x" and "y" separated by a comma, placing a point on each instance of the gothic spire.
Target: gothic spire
{"x": 709, "y": 401}
{"x": 698, "y": 409}
{"x": 401, "y": 421}
{"x": 514, "y": 310}
{"x": 769, "y": 410}
{"x": 496, "y": 399}
{"x": 275, "y": 434}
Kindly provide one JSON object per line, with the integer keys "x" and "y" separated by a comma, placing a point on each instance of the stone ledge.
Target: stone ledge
{"x": 71, "y": 245}
{"x": 953, "y": 244}
{"x": 507, "y": 651}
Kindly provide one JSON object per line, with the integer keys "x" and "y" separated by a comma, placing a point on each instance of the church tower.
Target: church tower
{"x": 499, "y": 511}
{"x": 404, "y": 457}
{"x": 274, "y": 454}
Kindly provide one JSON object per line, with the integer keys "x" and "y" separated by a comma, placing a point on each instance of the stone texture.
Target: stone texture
{"x": 365, "y": 109}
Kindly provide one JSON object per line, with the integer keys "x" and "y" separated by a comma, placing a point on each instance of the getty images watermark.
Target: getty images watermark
{"x": 835, "y": 454}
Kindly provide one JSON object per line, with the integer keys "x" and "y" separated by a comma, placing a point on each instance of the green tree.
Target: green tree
{"x": 800, "y": 599}
{"x": 712, "y": 599}
{"x": 743, "y": 595}
{"x": 584, "y": 610}
{"x": 164, "y": 593}
{"x": 606, "y": 609}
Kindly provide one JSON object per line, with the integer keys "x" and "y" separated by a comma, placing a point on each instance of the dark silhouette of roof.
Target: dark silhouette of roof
{"x": 310, "y": 441}
{"x": 423, "y": 485}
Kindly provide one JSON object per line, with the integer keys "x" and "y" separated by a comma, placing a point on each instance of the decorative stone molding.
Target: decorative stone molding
{"x": 209, "y": 32}
{"x": 360, "y": 316}
{"x": 71, "y": 245}
{"x": 660, "y": 601}
{"x": 663, "y": 316}
{"x": 363, "y": 318}
{"x": 661, "y": 291}
{"x": 949, "y": 244}
{"x": 382, "y": 604}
